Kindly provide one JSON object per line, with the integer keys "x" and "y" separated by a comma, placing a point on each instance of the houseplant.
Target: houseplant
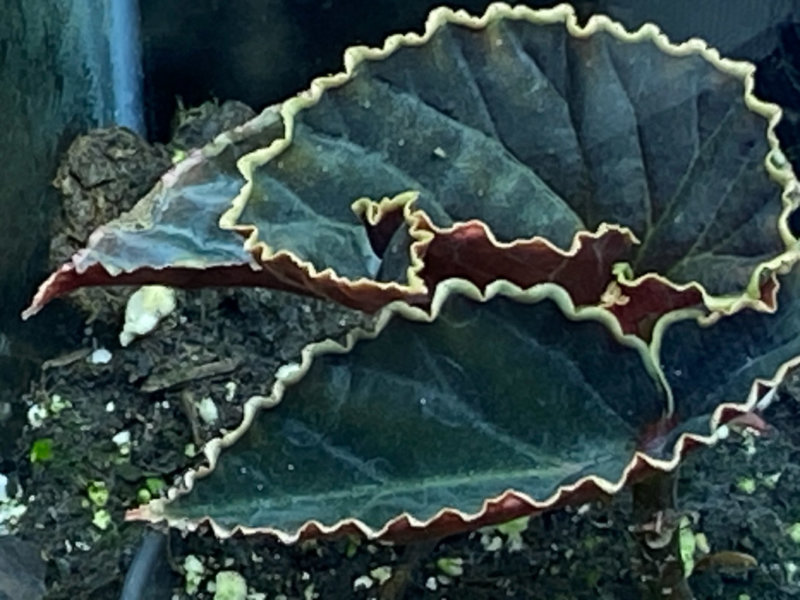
{"x": 617, "y": 171}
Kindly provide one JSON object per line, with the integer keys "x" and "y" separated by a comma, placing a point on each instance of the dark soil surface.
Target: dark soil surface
{"x": 740, "y": 497}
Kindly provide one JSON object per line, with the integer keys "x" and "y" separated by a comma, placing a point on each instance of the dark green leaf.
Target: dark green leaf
{"x": 520, "y": 120}
{"x": 518, "y": 394}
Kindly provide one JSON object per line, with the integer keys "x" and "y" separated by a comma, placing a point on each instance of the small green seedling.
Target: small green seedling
{"x": 42, "y": 450}
{"x": 101, "y": 519}
{"x": 687, "y": 544}
{"x": 230, "y": 585}
{"x": 153, "y": 486}
{"x": 452, "y": 567}
{"x": 352, "y": 546}
{"x": 98, "y": 493}
{"x": 746, "y": 485}
{"x": 794, "y": 532}
{"x": 194, "y": 571}
{"x": 513, "y": 530}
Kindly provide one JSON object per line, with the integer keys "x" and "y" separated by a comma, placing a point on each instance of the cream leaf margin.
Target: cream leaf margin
{"x": 158, "y": 510}
{"x": 775, "y": 162}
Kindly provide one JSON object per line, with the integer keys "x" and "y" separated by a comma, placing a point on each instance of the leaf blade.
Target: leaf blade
{"x": 559, "y": 414}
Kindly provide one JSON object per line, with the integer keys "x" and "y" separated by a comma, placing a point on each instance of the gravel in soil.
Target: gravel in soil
{"x": 102, "y": 441}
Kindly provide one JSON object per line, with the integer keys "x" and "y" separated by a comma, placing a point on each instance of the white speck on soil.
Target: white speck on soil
{"x": 101, "y": 356}
{"x": 363, "y": 583}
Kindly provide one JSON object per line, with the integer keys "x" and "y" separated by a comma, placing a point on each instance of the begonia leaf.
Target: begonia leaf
{"x": 522, "y": 120}
{"x": 490, "y": 409}
{"x": 438, "y": 414}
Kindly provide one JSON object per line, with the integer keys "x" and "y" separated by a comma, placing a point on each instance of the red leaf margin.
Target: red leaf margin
{"x": 509, "y": 505}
